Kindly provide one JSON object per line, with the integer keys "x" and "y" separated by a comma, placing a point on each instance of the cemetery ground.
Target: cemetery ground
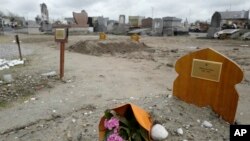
{"x": 36, "y": 107}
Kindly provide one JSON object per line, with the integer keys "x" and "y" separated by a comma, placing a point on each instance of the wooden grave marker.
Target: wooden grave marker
{"x": 208, "y": 78}
{"x": 61, "y": 36}
{"x": 135, "y": 37}
{"x": 102, "y": 36}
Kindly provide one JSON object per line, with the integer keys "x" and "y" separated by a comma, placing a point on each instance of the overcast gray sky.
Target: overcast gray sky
{"x": 190, "y": 9}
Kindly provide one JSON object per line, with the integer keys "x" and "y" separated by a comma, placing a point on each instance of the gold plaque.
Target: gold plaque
{"x": 60, "y": 34}
{"x": 208, "y": 70}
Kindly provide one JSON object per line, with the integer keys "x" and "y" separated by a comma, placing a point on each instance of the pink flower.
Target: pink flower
{"x": 112, "y": 123}
{"x": 114, "y": 137}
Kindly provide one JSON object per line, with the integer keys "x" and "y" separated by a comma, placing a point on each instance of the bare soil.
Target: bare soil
{"x": 97, "y": 79}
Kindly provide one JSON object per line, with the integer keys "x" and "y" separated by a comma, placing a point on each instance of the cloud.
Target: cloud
{"x": 191, "y": 9}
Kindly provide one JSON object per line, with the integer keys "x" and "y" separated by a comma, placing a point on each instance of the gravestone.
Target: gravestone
{"x": 207, "y": 78}
{"x": 171, "y": 25}
{"x": 101, "y": 24}
{"x": 120, "y": 29}
{"x": 122, "y": 19}
{"x": 44, "y": 12}
{"x": 157, "y": 27}
{"x": 33, "y": 27}
{"x": 90, "y": 22}
{"x": 45, "y": 26}
{"x": 215, "y": 25}
{"x": 81, "y": 19}
{"x": 111, "y": 24}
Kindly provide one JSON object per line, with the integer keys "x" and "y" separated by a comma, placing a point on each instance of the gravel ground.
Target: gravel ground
{"x": 81, "y": 124}
{"x": 8, "y": 51}
{"x": 71, "y": 111}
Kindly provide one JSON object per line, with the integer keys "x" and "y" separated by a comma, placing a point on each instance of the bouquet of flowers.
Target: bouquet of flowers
{"x": 125, "y": 123}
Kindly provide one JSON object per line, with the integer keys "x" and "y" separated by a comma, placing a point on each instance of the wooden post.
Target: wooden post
{"x": 61, "y": 36}
{"x": 19, "y": 48}
{"x": 62, "y": 48}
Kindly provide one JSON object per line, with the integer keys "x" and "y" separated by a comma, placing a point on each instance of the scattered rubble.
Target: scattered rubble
{"x": 180, "y": 131}
{"x": 23, "y": 85}
{"x": 171, "y": 65}
{"x": 49, "y": 74}
{"x": 207, "y": 124}
{"x": 6, "y": 64}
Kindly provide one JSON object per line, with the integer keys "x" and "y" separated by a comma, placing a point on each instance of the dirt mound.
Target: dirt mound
{"x": 98, "y": 48}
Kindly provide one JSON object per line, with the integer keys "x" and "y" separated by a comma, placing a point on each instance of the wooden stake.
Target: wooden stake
{"x": 19, "y": 48}
{"x": 62, "y": 44}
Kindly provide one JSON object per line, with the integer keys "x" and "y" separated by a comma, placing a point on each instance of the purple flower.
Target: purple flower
{"x": 112, "y": 123}
{"x": 114, "y": 137}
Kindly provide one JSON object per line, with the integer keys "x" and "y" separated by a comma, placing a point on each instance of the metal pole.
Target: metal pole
{"x": 19, "y": 48}
{"x": 62, "y": 59}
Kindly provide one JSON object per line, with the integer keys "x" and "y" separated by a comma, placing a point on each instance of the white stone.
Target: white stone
{"x": 33, "y": 98}
{"x": 49, "y": 74}
{"x": 8, "y": 78}
{"x": 69, "y": 136}
{"x": 158, "y": 132}
{"x": 187, "y": 126}
{"x": 69, "y": 81}
{"x": 180, "y": 131}
{"x": 207, "y": 124}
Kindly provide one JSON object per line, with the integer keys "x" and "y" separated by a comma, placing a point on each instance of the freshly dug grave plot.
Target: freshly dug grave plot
{"x": 97, "y": 48}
